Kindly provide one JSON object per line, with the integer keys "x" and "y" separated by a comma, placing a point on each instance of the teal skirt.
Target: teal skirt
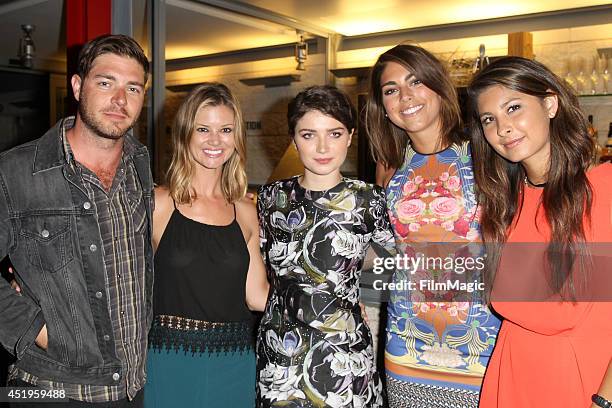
{"x": 204, "y": 368}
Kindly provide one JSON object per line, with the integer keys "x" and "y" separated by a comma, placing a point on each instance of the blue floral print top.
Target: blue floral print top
{"x": 432, "y": 205}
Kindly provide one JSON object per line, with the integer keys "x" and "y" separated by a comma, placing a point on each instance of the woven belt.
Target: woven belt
{"x": 198, "y": 336}
{"x": 184, "y": 323}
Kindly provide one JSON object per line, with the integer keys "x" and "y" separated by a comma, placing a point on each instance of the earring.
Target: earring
{"x": 386, "y": 116}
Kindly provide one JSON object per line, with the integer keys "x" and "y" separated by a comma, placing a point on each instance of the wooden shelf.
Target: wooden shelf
{"x": 594, "y": 95}
{"x": 181, "y": 88}
{"x": 359, "y": 72}
{"x": 272, "y": 81}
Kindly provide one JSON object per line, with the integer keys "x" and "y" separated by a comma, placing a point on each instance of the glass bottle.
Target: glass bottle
{"x": 606, "y": 155}
{"x": 593, "y": 133}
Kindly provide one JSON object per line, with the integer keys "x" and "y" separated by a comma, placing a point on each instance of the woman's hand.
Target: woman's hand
{"x": 42, "y": 340}
{"x": 364, "y": 313}
{"x": 605, "y": 389}
{"x": 14, "y": 283}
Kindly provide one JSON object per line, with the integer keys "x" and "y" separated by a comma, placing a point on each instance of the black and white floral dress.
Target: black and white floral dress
{"x": 314, "y": 349}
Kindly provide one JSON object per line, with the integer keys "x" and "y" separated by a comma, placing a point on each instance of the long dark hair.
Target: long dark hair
{"x": 389, "y": 141}
{"x": 567, "y": 195}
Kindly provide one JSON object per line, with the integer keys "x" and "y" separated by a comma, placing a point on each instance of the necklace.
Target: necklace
{"x": 529, "y": 183}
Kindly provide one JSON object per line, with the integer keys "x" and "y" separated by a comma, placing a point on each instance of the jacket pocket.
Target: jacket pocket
{"x": 56, "y": 351}
{"x": 48, "y": 241}
{"x": 56, "y": 345}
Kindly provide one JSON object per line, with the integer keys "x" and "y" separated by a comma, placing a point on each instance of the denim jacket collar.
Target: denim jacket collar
{"x": 50, "y": 150}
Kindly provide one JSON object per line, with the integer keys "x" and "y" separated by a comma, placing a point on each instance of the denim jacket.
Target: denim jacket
{"x": 46, "y": 228}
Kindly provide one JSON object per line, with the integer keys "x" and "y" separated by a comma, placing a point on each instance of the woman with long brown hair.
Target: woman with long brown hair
{"x": 437, "y": 347}
{"x": 544, "y": 206}
{"x": 208, "y": 269}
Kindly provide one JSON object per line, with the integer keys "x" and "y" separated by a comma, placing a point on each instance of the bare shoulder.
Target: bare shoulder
{"x": 162, "y": 213}
{"x": 163, "y": 199}
{"x": 162, "y": 194}
{"x": 245, "y": 209}
{"x": 246, "y": 215}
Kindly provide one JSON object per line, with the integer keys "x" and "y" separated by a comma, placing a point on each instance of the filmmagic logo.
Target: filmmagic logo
{"x": 429, "y": 285}
{"x": 432, "y": 274}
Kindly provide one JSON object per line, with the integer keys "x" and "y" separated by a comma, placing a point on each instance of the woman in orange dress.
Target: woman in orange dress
{"x": 551, "y": 212}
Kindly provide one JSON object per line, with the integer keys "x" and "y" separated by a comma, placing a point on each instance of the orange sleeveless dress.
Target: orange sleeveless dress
{"x": 551, "y": 353}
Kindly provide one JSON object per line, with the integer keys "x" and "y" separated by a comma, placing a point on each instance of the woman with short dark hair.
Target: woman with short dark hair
{"x": 314, "y": 348}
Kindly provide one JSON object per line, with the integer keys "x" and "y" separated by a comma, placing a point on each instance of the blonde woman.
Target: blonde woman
{"x": 208, "y": 269}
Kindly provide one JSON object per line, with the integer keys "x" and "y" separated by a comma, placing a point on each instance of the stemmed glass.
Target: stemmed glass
{"x": 583, "y": 82}
{"x": 567, "y": 74}
{"x": 597, "y": 77}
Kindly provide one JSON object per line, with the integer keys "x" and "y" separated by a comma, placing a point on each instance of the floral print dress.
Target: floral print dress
{"x": 437, "y": 347}
{"x": 314, "y": 348}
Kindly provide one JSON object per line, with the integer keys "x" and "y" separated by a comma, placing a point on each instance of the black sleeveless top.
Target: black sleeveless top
{"x": 201, "y": 270}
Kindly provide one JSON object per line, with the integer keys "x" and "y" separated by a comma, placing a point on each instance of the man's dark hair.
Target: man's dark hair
{"x": 326, "y": 99}
{"x": 117, "y": 44}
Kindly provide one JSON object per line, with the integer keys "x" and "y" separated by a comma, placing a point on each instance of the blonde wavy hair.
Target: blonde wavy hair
{"x": 182, "y": 166}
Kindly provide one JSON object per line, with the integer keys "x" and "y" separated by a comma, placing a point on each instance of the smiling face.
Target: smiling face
{"x": 322, "y": 143}
{"x": 517, "y": 125}
{"x": 111, "y": 95}
{"x": 212, "y": 142}
{"x": 409, "y": 103}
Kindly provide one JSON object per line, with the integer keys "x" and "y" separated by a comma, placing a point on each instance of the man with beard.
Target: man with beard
{"x": 75, "y": 220}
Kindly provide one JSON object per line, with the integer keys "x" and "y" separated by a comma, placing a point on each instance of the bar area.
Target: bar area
{"x": 291, "y": 203}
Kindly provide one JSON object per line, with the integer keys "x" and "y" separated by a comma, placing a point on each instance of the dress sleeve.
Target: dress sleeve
{"x": 263, "y": 240}
{"x": 378, "y": 221}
